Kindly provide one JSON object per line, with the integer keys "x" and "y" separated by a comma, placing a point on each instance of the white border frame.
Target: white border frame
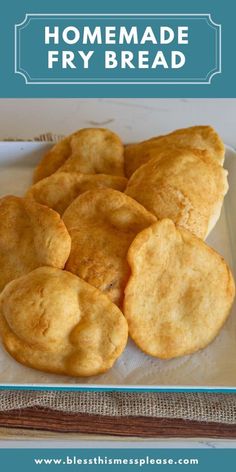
{"x": 206, "y": 16}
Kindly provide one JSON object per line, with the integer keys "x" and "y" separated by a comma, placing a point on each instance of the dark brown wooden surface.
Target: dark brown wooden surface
{"x": 49, "y": 420}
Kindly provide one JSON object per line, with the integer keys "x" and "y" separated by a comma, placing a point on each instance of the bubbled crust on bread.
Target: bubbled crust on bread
{"x": 31, "y": 235}
{"x": 182, "y": 184}
{"x": 196, "y": 137}
{"x": 88, "y": 151}
{"x": 102, "y": 225}
{"x": 55, "y": 322}
{"x": 179, "y": 294}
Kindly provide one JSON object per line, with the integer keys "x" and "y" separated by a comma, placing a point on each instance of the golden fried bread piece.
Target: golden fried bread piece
{"x": 60, "y": 189}
{"x": 31, "y": 236}
{"x": 197, "y": 137}
{"x": 88, "y": 151}
{"x": 185, "y": 185}
{"x": 55, "y": 322}
{"x": 179, "y": 294}
{"x": 102, "y": 225}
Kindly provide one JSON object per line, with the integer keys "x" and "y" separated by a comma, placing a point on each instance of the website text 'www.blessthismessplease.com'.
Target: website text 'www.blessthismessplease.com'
{"x": 104, "y": 460}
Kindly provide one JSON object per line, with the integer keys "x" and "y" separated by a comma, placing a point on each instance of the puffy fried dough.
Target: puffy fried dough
{"x": 60, "y": 189}
{"x": 197, "y": 137}
{"x": 185, "y": 185}
{"x": 102, "y": 225}
{"x": 31, "y": 236}
{"x": 53, "y": 321}
{"x": 89, "y": 151}
{"x": 179, "y": 294}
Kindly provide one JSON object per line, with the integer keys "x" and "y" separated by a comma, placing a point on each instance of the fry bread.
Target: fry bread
{"x": 102, "y": 225}
{"x": 87, "y": 151}
{"x": 31, "y": 235}
{"x": 184, "y": 185}
{"x": 60, "y": 189}
{"x": 196, "y": 137}
{"x": 55, "y": 322}
{"x": 179, "y": 294}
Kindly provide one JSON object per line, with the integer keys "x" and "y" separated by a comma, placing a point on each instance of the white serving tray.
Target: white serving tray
{"x": 213, "y": 368}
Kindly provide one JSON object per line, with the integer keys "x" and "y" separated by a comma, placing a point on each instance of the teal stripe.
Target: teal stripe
{"x": 119, "y": 389}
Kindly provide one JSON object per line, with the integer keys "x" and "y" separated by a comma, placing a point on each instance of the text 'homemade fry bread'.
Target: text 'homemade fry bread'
{"x": 55, "y": 322}
{"x": 179, "y": 294}
{"x": 184, "y": 185}
{"x": 31, "y": 236}
{"x": 196, "y": 137}
{"x": 102, "y": 225}
{"x": 60, "y": 189}
{"x": 88, "y": 151}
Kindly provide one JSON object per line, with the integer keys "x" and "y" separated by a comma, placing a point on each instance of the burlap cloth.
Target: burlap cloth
{"x": 207, "y": 407}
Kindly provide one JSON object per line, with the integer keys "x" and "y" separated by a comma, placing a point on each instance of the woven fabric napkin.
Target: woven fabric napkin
{"x": 205, "y": 407}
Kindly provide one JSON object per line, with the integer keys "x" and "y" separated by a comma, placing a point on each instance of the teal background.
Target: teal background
{"x": 209, "y": 459}
{"x": 13, "y": 85}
